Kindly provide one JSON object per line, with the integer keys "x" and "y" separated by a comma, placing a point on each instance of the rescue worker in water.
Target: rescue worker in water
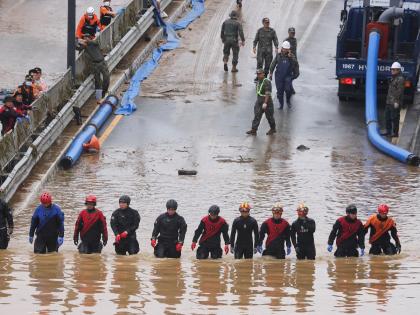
{"x": 350, "y": 235}
{"x": 48, "y": 225}
{"x": 209, "y": 231}
{"x": 124, "y": 223}
{"x": 90, "y": 224}
{"x": 278, "y": 233}
{"x": 304, "y": 229}
{"x": 169, "y": 232}
{"x": 380, "y": 227}
{"x": 244, "y": 226}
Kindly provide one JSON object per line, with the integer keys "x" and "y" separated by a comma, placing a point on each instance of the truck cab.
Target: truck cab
{"x": 400, "y": 41}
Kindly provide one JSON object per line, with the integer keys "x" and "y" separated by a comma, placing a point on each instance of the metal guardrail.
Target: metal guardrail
{"x": 62, "y": 119}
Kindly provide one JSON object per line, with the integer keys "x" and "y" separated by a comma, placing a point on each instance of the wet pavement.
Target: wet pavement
{"x": 194, "y": 116}
{"x": 34, "y": 34}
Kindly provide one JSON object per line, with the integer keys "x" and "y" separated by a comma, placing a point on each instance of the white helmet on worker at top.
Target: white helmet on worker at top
{"x": 90, "y": 11}
{"x": 285, "y": 45}
{"x": 396, "y": 65}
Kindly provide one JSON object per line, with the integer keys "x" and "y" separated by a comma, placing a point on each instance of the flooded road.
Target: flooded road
{"x": 192, "y": 115}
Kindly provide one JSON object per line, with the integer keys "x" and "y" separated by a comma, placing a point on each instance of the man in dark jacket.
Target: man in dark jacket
{"x": 304, "y": 229}
{"x": 350, "y": 235}
{"x": 209, "y": 231}
{"x": 90, "y": 224}
{"x": 278, "y": 233}
{"x": 287, "y": 69}
{"x": 48, "y": 225}
{"x": 263, "y": 45}
{"x": 124, "y": 223}
{"x": 6, "y": 224}
{"x": 231, "y": 31}
{"x": 394, "y": 101}
{"x": 244, "y": 226}
{"x": 381, "y": 225}
{"x": 169, "y": 232}
{"x": 97, "y": 64}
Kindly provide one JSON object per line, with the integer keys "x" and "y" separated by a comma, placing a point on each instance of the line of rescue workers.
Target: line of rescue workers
{"x": 168, "y": 236}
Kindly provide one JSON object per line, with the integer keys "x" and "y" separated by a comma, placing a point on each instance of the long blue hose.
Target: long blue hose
{"x": 371, "y": 109}
{"x": 97, "y": 121}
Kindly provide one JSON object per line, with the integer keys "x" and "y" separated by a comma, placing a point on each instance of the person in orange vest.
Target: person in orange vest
{"x": 350, "y": 235}
{"x": 209, "y": 231}
{"x": 27, "y": 90}
{"x": 278, "y": 232}
{"x": 90, "y": 224}
{"x": 380, "y": 227}
{"x": 88, "y": 24}
{"x": 106, "y": 14}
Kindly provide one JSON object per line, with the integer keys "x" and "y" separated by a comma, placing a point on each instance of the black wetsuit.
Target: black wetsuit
{"x": 278, "y": 232}
{"x": 210, "y": 237}
{"x": 244, "y": 246}
{"x": 304, "y": 228}
{"x": 6, "y": 222}
{"x": 126, "y": 220}
{"x": 350, "y": 235}
{"x": 169, "y": 230}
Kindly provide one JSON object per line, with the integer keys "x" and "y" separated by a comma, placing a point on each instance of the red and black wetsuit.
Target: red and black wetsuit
{"x": 379, "y": 238}
{"x": 91, "y": 224}
{"x": 350, "y": 235}
{"x": 126, "y": 220}
{"x": 245, "y": 227}
{"x": 304, "y": 229}
{"x": 278, "y": 232}
{"x": 209, "y": 233}
{"x": 8, "y": 117}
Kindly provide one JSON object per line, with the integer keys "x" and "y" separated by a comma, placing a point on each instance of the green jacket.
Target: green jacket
{"x": 396, "y": 90}
{"x": 265, "y": 40}
{"x": 231, "y": 31}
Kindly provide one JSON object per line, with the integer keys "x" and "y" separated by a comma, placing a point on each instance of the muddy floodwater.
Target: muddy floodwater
{"x": 192, "y": 115}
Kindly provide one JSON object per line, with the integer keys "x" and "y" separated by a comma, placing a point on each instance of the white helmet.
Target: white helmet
{"x": 90, "y": 11}
{"x": 396, "y": 65}
{"x": 285, "y": 45}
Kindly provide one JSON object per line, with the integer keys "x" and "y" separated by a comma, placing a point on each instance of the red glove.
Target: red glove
{"x": 193, "y": 245}
{"x": 153, "y": 243}
{"x": 124, "y": 234}
{"x": 178, "y": 247}
{"x": 226, "y": 249}
{"x": 117, "y": 238}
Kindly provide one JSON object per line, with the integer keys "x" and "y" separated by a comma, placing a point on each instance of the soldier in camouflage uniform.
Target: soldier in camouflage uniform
{"x": 287, "y": 69}
{"x": 394, "y": 101}
{"x": 264, "y": 104}
{"x": 293, "y": 47}
{"x": 231, "y": 31}
{"x": 265, "y": 38}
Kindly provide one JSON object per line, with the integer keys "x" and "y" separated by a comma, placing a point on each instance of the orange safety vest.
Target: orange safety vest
{"x": 381, "y": 227}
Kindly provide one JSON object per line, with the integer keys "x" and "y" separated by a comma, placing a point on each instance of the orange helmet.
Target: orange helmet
{"x": 45, "y": 198}
{"x": 245, "y": 205}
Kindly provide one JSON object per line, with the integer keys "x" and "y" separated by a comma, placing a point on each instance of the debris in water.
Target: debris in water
{"x": 302, "y": 148}
{"x": 187, "y": 172}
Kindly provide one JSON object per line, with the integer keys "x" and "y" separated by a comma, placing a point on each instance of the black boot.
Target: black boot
{"x": 252, "y": 132}
{"x": 225, "y": 67}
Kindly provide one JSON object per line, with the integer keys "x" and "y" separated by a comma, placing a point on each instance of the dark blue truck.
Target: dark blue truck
{"x": 400, "y": 41}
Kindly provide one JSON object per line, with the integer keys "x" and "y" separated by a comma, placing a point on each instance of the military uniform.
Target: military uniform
{"x": 287, "y": 69}
{"x": 293, "y": 45}
{"x": 265, "y": 38}
{"x": 231, "y": 31}
{"x": 263, "y": 90}
{"x": 395, "y": 96}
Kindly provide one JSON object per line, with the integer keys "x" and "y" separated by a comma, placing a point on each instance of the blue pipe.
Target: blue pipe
{"x": 97, "y": 121}
{"x": 371, "y": 109}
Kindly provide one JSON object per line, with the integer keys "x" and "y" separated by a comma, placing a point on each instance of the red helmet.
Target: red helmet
{"x": 90, "y": 199}
{"x": 383, "y": 209}
{"x": 45, "y": 198}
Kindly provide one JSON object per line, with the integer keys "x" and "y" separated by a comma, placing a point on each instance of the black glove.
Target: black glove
{"x": 297, "y": 250}
{"x": 398, "y": 247}
{"x": 104, "y": 242}
{"x": 75, "y": 241}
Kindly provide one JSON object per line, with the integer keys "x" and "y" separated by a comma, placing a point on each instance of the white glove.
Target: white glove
{"x": 264, "y": 106}
{"x": 396, "y": 105}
